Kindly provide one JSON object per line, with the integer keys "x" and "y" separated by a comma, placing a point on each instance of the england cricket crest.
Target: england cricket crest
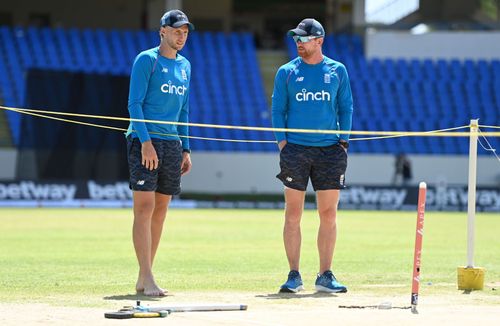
{"x": 327, "y": 78}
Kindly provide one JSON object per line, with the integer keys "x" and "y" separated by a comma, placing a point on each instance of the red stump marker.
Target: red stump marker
{"x": 418, "y": 246}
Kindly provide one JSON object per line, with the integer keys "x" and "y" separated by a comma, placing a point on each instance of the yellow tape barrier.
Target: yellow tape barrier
{"x": 384, "y": 134}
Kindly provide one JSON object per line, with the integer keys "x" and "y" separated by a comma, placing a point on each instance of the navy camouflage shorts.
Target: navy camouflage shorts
{"x": 325, "y": 166}
{"x": 166, "y": 179}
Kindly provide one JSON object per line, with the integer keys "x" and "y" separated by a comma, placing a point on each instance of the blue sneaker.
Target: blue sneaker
{"x": 293, "y": 284}
{"x": 327, "y": 282}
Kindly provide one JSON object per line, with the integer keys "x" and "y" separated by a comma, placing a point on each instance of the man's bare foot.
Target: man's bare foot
{"x": 139, "y": 286}
{"x": 147, "y": 286}
{"x": 154, "y": 290}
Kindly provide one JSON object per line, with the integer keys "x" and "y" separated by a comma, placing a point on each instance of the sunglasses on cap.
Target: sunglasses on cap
{"x": 304, "y": 39}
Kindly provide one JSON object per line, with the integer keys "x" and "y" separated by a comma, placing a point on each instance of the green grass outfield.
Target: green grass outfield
{"x": 69, "y": 255}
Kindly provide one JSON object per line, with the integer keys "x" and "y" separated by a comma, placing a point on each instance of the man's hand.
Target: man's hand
{"x": 149, "y": 157}
{"x": 344, "y": 145}
{"x": 186, "y": 163}
{"x": 282, "y": 144}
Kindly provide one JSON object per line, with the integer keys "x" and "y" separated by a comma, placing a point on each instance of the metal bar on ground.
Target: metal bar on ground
{"x": 195, "y": 307}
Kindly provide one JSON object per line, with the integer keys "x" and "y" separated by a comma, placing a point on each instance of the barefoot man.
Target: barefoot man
{"x": 158, "y": 154}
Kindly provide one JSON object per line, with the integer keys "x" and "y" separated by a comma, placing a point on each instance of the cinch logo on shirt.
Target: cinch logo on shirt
{"x": 172, "y": 89}
{"x": 305, "y": 96}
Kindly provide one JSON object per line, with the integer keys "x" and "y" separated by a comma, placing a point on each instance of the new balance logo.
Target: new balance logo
{"x": 140, "y": 183}
{"x": 165, "y": 70}
{"x": 299, "y": 79}
{"x": 305, "y": 96}
{"x": 289, "y": 179}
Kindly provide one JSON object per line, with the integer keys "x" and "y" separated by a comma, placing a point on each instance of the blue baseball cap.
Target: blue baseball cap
{"x": 308, "y": 27}
{"x": 175, "y": 18}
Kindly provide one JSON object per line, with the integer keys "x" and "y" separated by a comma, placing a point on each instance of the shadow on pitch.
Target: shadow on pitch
{"x": 287, "y": 296}
{"x": 135, "y": 296}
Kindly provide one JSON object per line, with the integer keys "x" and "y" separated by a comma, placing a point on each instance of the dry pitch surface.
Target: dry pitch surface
{"x": 306, "y": 308}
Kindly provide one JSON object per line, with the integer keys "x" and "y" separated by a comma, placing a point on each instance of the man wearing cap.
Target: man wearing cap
{"x": 312, "y": 92}
{"x": 158, "y": 154}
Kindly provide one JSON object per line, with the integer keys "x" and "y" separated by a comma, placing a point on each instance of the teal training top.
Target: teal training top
{"x": 309, "y": 96}
{"x": 159, "y": 90}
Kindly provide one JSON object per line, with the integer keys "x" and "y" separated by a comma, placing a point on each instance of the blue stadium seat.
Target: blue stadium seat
{"x": 75, "y": 41}
{"x": 484, "y": 70}
{"x": 54, "y": 61}
{"x": 375, "y": 69}
{"x": 470, "y": 70}
{"x": 65, "y": 56}
{"x": 22, "y": 42}
{"x": 402, "y": 70}
{"x": 38, "y": 47}
{"x": 429, "y": 70}
{"x": 456, "y": 70}
{"x": 390, "y": 70}
{"x": 415, "y": 70}
{"x": 93, "y": 63}
{"x": 443, "y": 70}
{"x": 142, "y": 39}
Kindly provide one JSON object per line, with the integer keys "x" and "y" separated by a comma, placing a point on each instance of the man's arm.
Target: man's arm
{"x": 184, "y": 114}
{"x": 139, "y": 79}
{"x": 280, "y": 107}
{"x": 184, "y": 131}
{"x": 345, "y": 104}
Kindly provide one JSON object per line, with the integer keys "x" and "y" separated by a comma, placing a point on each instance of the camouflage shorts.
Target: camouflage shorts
{"x": 166, "y": 179}
{"x": 325, "y": 166}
